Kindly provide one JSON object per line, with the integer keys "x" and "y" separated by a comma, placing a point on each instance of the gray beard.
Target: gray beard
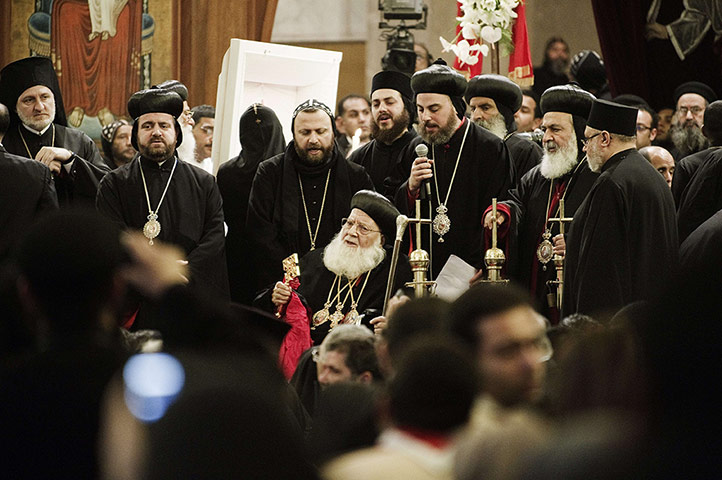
{"x": 688, "y": 139}
{"x": 496, "y": 125}
{"x": 351, "y": 262}
{"x": 561, "y": 162}
{"x": 187, "y": 149}
{"x": 38, "y": 126}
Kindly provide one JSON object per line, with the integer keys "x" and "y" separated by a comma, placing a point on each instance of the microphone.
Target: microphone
{"x": 421, "y": 151}
{"x": 536, "y": 136}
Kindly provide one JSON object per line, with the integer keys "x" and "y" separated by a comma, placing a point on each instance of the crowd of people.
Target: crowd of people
{"x": 164, "y": 320}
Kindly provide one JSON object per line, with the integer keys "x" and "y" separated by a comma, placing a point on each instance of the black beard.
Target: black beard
{"x": 558, "y": 66}
{"x": 401, "y": 123}
{"x": 688, "y": 139}
{"x": 310, "y": 162}
{"x": 443, "y": 135}
{"x": 158, "y": 156}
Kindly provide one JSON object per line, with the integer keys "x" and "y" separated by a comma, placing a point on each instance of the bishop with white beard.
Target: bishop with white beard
{"x": 562, "y": 174}
{"x": 346, "y": 281}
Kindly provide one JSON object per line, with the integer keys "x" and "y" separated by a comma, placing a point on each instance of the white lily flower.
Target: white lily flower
{"x": 470, "y": 31}
{"x": 446, "y": 46}
{"x": 491, "y": 34}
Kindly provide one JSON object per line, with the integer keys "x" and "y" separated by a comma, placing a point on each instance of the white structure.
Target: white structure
{"x": 278, "y": 76}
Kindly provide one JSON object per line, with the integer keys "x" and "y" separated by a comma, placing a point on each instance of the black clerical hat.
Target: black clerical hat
{"x": 380, "y": 209}
{"x": 630, "y": 100}
{"x": 394, "y": 80}
{"x": 613, "y": 117}
{"x": 587, "y": 68}
{"x": 18, "y": 76}
{"x": 439, "y": 78}
{"x": 155, "y": 100}
{"x": 174, "y": 86}
{"x": 568, "y": 99}
{"x": 699, "y": 88}
{"x": 497, "y": 87}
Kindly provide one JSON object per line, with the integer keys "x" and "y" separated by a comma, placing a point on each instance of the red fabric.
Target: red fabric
{"x": 434, "y": 439}
{"x": 520, "y": 67}
{"x": 298, "y": 339}
{"x": 128, "y": 320}
{"x": 96, "y": 74}
{"x": 473, "y": 70}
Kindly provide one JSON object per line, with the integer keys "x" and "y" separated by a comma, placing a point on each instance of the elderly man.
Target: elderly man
{"x": 164, "y": 197}
{"x": 494, "y": 99}
{"x": 299, "y": 197}
{"x": 660, "y": 159}
{"x": 562, "y": 174}
{"x": 348, "y": 277}
{"x": 622, "y": 243}
{"x": 26, "y": 192}
{"x": 691, "y": 100}
{"x": 465, "y": 167}
{"x": 392, "y": 113}
{"x": 39, "y": 130}
{"x": 687, "y": 167}
{"x": 117, "y": 147}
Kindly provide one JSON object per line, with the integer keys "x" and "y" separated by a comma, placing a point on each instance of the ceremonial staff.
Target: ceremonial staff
{"x": 559, "y": 260}
{"x": 494, "y": 257}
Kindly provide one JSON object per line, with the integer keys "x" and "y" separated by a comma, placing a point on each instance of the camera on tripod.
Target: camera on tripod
{"x": 400, "y": 55}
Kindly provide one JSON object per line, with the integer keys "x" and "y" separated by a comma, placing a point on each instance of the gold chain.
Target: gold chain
{"x": 313, "y": 236}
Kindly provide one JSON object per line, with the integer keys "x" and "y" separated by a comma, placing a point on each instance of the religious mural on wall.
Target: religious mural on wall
{"x": 101, "y": 51}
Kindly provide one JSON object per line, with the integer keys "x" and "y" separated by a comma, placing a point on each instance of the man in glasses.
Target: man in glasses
{"x": 348, "y": 277}
{"x": 691, "y": 100}
{"x": 622, "y": 243}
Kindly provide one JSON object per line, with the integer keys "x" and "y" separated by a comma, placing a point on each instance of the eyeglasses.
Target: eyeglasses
{"x": 586, "y": 140}
{"x": 361, "y": 229}
{"x": 694, "y": 110}
{"x": 641, "y": 128}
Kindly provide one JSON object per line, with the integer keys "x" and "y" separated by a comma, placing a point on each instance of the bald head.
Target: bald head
{"x": 660, "y": 159}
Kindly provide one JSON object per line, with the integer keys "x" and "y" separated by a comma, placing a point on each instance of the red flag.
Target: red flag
{"x": 520, "y": 68}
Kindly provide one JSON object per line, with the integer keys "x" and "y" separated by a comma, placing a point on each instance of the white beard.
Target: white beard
{"x": 554, "y": 165}
{"x": 495, "y": 125}
{"x": 187, "y": 149}
{"x": 351, "y": 262}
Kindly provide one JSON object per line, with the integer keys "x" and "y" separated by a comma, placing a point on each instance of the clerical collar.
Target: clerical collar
{"x": 35, "y": 131}
{"x": 164, "y": 165}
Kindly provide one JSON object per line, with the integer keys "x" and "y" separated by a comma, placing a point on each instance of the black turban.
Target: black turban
{"x": 505, "y": 93}
{"x": 568, "y": 99}
{"x": 380, "y": 209}
{"x": 174, "y": 86}
{"x": 155, "y": 100}
{"x": 695, "y": 87}
{"x": 401, "y": 83}
{"x": 442, "y": 79}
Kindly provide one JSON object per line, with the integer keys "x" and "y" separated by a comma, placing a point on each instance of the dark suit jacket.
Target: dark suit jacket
{"x": 26, "y": 191}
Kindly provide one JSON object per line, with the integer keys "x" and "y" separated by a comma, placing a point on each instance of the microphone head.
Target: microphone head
{"x": 422, "y": 150}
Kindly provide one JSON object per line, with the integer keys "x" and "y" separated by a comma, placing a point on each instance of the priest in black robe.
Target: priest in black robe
{"x": 39, "y": 130}
{"x": 622, "y": 244}
{"x": 26, "y": 192}
{"x": 392, "y": 113}
{"x": 703, "y": 196}
{"x": 166, "y": 198}
{"x": 299, "y": 197}
{"x": 261, "y": 136}
{"x": 686, "y": 169}
{"x": 563, "y": 174}
{"x": 356, "y": 263}
{"x": 466, "y": 166}
{"x": 493, "y": 100}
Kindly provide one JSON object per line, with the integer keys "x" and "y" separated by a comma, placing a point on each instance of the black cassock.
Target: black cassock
{"x": 702, "y": 249}
{"x": 485, "y": 171}
{"x": 528, "y": 210}
{"x": 191, "y": 215}
{"x": 524, "y": 153}
{"x": 622, "y": 244}
{"x": 76, "y": 187}
{"x": 685, "y": 169}
{"x": 315, "y": 285}
{"x": 277, "y": 220}
{"x": 703, "y": 196}
{"x": 26, "y": 193}
{"x": 380, "y": 159}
